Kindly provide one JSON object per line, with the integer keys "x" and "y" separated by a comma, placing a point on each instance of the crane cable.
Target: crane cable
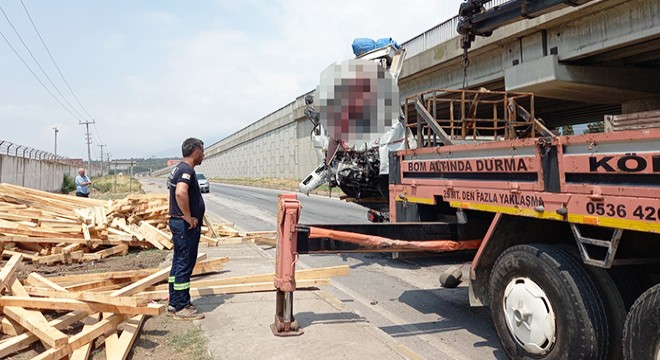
{"x": 465, "y": 62}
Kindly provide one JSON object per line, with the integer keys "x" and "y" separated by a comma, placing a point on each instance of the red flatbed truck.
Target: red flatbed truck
{"x": 566, "y": 230}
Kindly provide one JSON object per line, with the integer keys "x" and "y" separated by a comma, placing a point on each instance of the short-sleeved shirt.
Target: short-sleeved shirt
{"x": 183, "y": 172}
{"x": 84, "y": 189}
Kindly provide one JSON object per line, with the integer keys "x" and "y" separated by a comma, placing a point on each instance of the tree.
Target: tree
{"x": 595, "y": 127}
{"x": 567, "y": 130}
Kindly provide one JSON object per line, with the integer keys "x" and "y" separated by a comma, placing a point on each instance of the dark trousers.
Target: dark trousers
{"x": 186, "y": 242}
{"x": 79, "y": 194}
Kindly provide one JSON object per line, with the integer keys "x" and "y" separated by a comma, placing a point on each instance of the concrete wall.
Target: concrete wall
{"x": 33, "y": 173}
{"x": 276, "y": 146}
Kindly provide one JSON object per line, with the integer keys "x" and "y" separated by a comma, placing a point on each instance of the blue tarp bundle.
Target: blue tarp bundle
{"x": 363, "y": 45}
{"x": 386, "y": 41}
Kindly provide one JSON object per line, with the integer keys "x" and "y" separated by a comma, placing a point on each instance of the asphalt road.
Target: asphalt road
{"x": 255, "y": 209}
{"x": 402, "y": 297}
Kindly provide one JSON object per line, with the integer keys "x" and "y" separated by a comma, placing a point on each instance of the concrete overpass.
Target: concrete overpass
{"x": 602, "y": 58}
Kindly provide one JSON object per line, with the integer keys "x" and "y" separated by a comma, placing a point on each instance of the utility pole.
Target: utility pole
{"x": 101, "y": 146}
{"x": 107, "y": 157}
{"x": 88, "y": 139}
{"x": 56, "y": 131}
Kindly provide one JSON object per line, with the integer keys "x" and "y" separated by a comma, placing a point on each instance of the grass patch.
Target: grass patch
{"x": 192, "y": 344}
{"x": 114, "y": 187}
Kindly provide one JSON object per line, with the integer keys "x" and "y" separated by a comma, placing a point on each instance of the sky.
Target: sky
{"x": 151, "y": 73}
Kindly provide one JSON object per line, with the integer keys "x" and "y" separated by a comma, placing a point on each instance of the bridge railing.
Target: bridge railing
{"x": 438, "y": 34}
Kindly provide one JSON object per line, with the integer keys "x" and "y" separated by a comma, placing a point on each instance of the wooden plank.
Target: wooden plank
{"x": 227, "y": 231}
{"x": 33, "y": 321}
{"x": 209, "y": 241}
{"x": 85, "y": 231}
{"x": 15, "y": 217}
{"x": 121, "y": 224}
{"x": 10, "y": 268}
{"x": 56, "y": 240}
{"x": 85, "y": 296}
{"x": 21, "y": 341}
{"x": 102, "y": 254}
{"x": 36, "y": 325}
{"x": 150, "y": 237}
{"x": 28, "y": 256}
{"x": 210, "y": 225}
{"x": 41, "y": 250}
{"x": 210, "y": 265}
{"x": 148, "y": 281}
{"x": 80, "y": 278}
{"x": 202, "y": 266}
{"x": 265, "y": 241}
{"x": 115, "y": 231}
{"x": 83, "y": 352}
{"x": 35, "y": 279}
{"x": 120, "y": 237}
{"x": 49, "y": 259}
{"x": 93, "y": 285}
{"x": 127, "y": 339}
{"x": 11, "y": 327}
{"x": 34, "y": 232}
{"x": 84, "y": 337}
{"x": 231, "y": 240}
{"x": 76, "y": 305}
{"x": 73, "y": 229}
{"x": 161, "y": 236}
{"x": 84, "y": 215}
{"x": 71, "y": 248}
{"x": 111, "y": 341}
{"x": 307, "y": 274}
{"x": 43, "y": 221}
{"x": 232, "y": 289}
{"x": 260, "y": 233}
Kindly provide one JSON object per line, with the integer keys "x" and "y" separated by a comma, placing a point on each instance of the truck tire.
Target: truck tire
{"x": 545, "y": 305}
{"x": 612, "y": 285}
{"x": 641, "y": 332}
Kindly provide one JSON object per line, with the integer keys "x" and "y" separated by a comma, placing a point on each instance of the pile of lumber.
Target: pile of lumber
{"x": 48, "y": 228}
{"x": 112, "y": 306}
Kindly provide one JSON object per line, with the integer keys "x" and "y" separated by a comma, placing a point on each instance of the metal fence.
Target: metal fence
{"x": 438, "y": 34}
{"x": 16, "y": 150}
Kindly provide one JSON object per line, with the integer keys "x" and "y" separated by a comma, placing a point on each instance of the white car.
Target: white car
{"x": 203, "y": 183}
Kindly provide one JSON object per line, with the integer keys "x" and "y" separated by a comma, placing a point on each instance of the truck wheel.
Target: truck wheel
{"x": 545, "y": 306}
{"x": 612, "y": 285}
{"x": 641, "y": 333}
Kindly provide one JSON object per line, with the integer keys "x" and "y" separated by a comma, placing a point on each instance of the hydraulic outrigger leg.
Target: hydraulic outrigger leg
{"x": 288, "y": 214}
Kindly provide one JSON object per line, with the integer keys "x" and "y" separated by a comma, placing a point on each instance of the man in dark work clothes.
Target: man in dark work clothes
{"x": 186, "y": 213}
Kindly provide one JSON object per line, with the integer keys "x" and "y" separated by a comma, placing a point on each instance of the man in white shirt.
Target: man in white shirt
{"x": 82, "y": 184}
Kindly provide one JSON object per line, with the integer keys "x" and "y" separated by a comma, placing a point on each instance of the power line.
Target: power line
{"x": 36, "y": 77}
{"x": 98, "y": 134}
{"x": 38, "y": 64}
{"x": 53, "y": 60}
